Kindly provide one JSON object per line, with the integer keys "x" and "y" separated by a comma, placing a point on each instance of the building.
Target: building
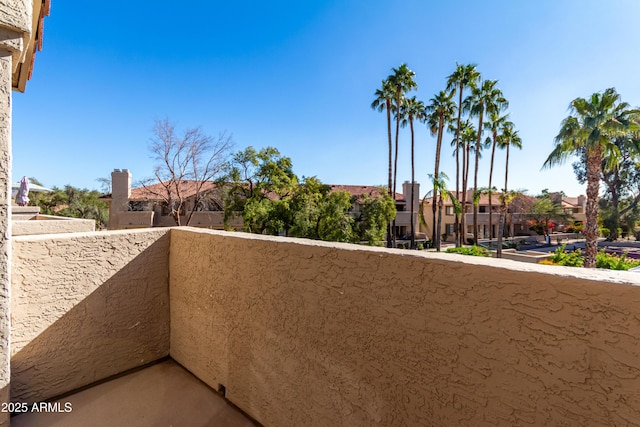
{"x": 517, "y": 220}
{"x": 143, "y": 207}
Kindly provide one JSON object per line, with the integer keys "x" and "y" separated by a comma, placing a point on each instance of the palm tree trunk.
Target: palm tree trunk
{"x": 594, "y": 162}
{"x": 475, "y": 180}
{"x": 436, "y": 227}
{"x": 413, "y": 190}
{"x": 459, "y": 223}
{"x": 493, "y": 152}
{"x": 456, "y": 225}
{"x": 389, "y": 225}
{"x": 503, "y": 210}
{"x": 395, "y": 165}
{"x": 465, "y": 183}
{"x": 439, "y": 223}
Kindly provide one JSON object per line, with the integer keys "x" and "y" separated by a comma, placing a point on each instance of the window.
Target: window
{"x": 448, "y": 210}
{"x": 448, "y": 229}
{"x": 482, "y": 209}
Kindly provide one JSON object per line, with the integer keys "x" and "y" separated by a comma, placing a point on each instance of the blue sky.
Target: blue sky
{"x": 301, "y": 76}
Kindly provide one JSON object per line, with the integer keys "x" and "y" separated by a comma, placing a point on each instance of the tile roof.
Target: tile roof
{"x": 359, "y": 190}
{"x": 156, "y": 191}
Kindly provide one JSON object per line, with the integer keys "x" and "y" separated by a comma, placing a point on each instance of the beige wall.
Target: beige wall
{"x": 314, "y": 333}
{"x": 49, "y": 224}
{"x": 307, "y": 333}
{"x": 86, "y": 306}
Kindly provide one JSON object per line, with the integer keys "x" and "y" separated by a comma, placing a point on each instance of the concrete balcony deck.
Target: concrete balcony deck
{"x": 164, "y": 394}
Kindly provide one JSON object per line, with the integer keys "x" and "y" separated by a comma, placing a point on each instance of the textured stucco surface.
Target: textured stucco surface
{"x": 15, "y": 29}
{"x": 46, "y": 224}
{"x": 5, "y": 224}
{"x": 86, "y": 306}
{"x": 16, "y": 15}
{"x": 316, "y": 334}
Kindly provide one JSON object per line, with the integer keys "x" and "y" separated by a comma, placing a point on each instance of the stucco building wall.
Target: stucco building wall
{"x": 86, "y": 306}
{"x": 307, "y": 333}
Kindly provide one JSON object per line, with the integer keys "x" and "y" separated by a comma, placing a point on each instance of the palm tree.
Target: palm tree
{"x": 508, "y": 138}
{"x": 591, "y": 127}
{"x": 402, "y": 81}
{"x": 439, "y": 111}
{"x": 464, "y": 76}
{"x": 443, "y": 194}
{"x": 383, "y": 101}
{"x": 413, "y": 109}
{"x": 486, "y": 98}
{"x": 468, "y": 135}
{"x": 496, "y": 125}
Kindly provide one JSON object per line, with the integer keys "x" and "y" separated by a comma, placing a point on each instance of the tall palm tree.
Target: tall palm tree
{"x": 509, "y": 138}
{"x": 468, "y": 136}
{"x": 464, "y": 76}
{"x": 486, "y": 98}
{"x": 439, "y": 111}
{"x": 496, "y": 126}
{"x": 383, "y": 101}
{"x": 402, "y": 81}
{"x": 413, "y": 109}
{"x": 591, "y": 127}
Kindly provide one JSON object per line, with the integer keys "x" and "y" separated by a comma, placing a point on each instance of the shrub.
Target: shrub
{"x": 603, "y": 259}
{"x": 604, "y": 232}
{"x": 569, "y": 259}
{"x": 470, "y": 250}
{"x": 614, "y": 262}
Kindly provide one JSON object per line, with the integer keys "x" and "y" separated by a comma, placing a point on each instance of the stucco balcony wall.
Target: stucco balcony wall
{"x": 86, "y": 306}
{"x": 308, "y": 333}
{"x": 49, "y": 224}
{"x": 311, "y": 333}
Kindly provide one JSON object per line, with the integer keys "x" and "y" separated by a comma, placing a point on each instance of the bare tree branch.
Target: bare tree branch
{"x": 186, "y": 162}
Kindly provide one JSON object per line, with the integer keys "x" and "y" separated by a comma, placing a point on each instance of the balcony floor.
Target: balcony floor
{"x": 164, "y": 394}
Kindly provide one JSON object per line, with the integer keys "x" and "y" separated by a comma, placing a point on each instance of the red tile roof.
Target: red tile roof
{"x": 157, "y": 191}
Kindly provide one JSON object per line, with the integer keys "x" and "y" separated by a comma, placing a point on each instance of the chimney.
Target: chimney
{"x": 406, "y": 192}
{"x": 582, "y": 201}
{"x": 120, "y": 189}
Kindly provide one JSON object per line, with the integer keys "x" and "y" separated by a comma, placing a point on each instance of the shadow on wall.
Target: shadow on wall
{"x": 91, "y": 328}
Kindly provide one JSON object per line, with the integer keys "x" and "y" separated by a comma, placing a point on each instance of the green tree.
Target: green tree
{"x": 336, "y": 224}
{"x": 306, "y": 205}
{"x": 619, "y": 179}
{"x": 376, "y": 213}
{"x": 413, "y": 109}
{"x": 440, "y": 186}
{"x": 591, "y": 127}
{"x": 506, "y": 197}
{"x": 509, "y": 138}
{"x": 544, "y": 211}
{"x": 440, "y": 111}
{"x": 259, "y": 184}
{"x": 72, "y": 202}
{"x": 383, "y": 101}
{"x": 486, "y": 98}
{"x": 402, "y": 81}
{"x": 496, "y": 126}
{"x": 464, "y": 77}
